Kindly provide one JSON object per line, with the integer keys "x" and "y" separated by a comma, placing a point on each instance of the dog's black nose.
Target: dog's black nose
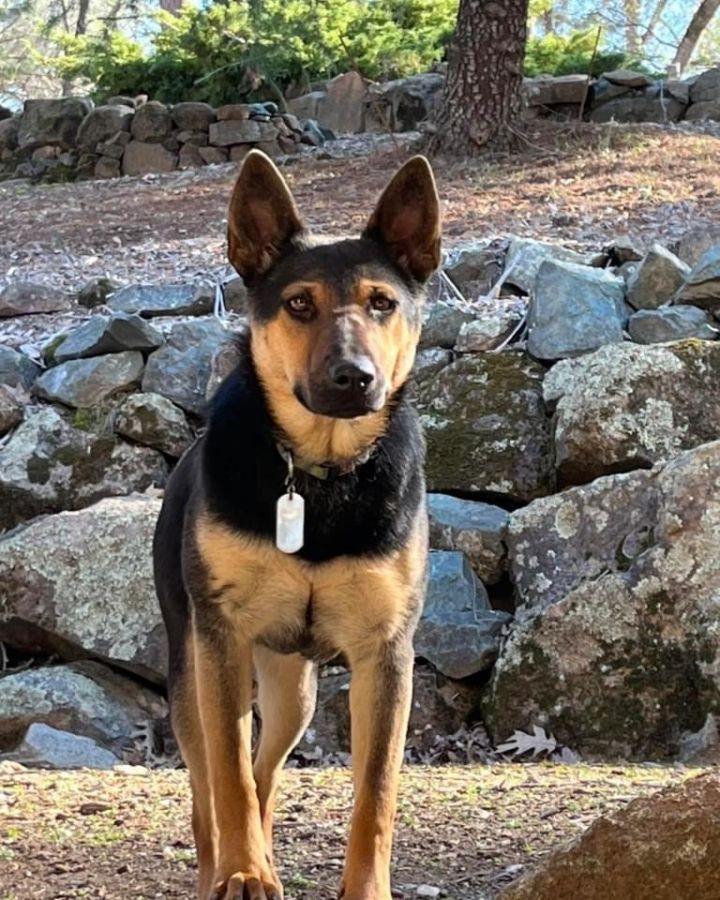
{"x": 353, "y": 375}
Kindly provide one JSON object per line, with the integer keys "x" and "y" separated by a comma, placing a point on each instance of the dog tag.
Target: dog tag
{"x": 290, "y": 523}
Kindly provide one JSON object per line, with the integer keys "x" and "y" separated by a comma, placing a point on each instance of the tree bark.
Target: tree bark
{"x": 698, "y": 24}
{"x": 485, "y": 68}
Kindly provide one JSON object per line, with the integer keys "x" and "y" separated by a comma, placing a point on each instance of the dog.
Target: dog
{"x": 294, "y": 530}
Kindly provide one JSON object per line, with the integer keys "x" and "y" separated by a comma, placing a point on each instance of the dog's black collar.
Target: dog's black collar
{"x": 322, "y": 471}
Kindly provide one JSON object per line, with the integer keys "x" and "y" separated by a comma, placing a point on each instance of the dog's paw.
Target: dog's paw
{"x": 244, "y": 886}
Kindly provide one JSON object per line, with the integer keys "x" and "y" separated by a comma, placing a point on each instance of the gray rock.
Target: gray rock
{"x": 344, "y": 104}
{"x": 150, "y": 300}
{"x": 442, "y": 324}
{"x": 81, "y": 383}
{"x": 16, "y": 369}
{"x": 9, "y": 130}
{"x": 400, "y": 105}
{"x": 189, "y": 157}
{"x": 81, "y": 583}
{"x": 191, "y": 116}
{"x": 627, "y": 78}
{"x": 670, "y": 323}
{"x": 615, "y": 648}
{"x": 574, "y": 309}
{"x": 656, "y": 279}
{"x": 11, "y": 409}
{"x": 48, "y": 748}
{"x": 84, "y": 698}
{"x": 102, "y": 123}
{"x": 23, "y": 298}
{"x": 639, "y": 108}
{"x": 51, "y": 122}
{"x": 475, "y": 269}
{"x": 235, "y": 295}
{"x": 180, "y": 370}
{"x": 235, "y": 131}
{"x": 486, "y": 426}
{"x": 212, "y": 156}
{"x": 143, "y": 158}
{"x": 700, "y": 112}
{"x": 96, "y": 291}
{"x": 47, "y": 465}
{"x": 706, "y": 86}
{"x": 108, "y": 334}
{"x": 624, "y": 250}
{"x": 629, "y": 406}
{"x": 429, "y": 362}
{"x": 233, "y": 111}
{"x": 154, "y": 421}
{"x": 526, "y": 256}
{"x": 107, "y": 167}
{"x": 702, "y": 286}
{"x": 696, "y": 241}
{"x": 308, "y": 106}
{"x": 476, "y": 529}
{"x": 458, "y": 633}
{"x": 548, "y": 91}
{"x": 151, "y": 122}
{"x": 486, "y": 333}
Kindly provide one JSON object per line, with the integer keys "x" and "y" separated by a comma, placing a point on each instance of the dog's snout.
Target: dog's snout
{"x": 352, "y": 375}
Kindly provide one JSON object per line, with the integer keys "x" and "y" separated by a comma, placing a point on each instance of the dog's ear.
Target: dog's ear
{"x": 262, "y": 218}
{"x": 407, "y": 219}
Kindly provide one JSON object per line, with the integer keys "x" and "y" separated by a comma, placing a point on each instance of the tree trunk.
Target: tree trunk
{"x": 655, "y": 18}
{"x": 698, "y": 24}
{"x": 484, "y": 81}
{"x": 632, "y": 27}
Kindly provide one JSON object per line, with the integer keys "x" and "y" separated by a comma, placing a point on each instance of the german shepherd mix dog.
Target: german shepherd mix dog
{"x": 295, "y": 530}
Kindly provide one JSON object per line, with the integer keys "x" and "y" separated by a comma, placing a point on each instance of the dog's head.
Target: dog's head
{"x": 334, "y": 326}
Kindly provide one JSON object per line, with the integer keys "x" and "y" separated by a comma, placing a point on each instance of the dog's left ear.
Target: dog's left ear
{"x": 407, "y": 219}
{"x": 262, "y": 218}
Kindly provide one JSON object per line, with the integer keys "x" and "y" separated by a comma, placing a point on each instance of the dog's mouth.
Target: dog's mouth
{"x": 338, "y": 404}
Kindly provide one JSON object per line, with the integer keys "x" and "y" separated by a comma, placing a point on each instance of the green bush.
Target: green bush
{"x": 555, "y": 54}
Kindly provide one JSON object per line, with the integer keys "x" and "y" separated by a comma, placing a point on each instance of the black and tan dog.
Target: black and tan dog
{"x": 314, "y": 410}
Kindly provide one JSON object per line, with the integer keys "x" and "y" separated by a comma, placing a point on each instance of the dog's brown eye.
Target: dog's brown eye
{"x": 299, "y": 305}
{"x": 382, "y": 304}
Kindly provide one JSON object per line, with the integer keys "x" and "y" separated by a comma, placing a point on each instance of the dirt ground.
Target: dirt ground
{"x": 125, "y": 835}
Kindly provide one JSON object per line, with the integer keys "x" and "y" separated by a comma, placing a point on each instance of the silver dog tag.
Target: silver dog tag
{"x": 290, "y": 522}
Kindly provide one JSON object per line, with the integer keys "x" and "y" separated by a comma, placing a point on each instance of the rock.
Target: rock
{"x": 150, "y": 300}
{"x": 627, "y": 78}
{"x": 486, "y": 333}
{"x": 53, "y": 122}
{"x": 643, "y": 108}
{"x": 429, "y": 362}
{"x": 696, "y": 241}
{"x": 49, "y": 748}
{"x": 81, "y": 583}
{"x": 236, "y": 131}
{"x": 102, "y": 123}
{"x": 678, "y": 90}
{"x": 343, "y": 106}
{"x": 108, "y": 334}
{"x": 143, "y": 158}
{"x": 240, "y": 151}
{"x": 545, "y": 91}
{"x": 656, "y": 280}
{"x": 181, "y": 369}
{"x": 486, "y": 426}
{"x": 87, "y": 382}
{"x": 628, "y": 406}
{"x": 16, "y": 369}
{"x": 706, "y": 87}
{"x": 48, "y": 465}
{"x": 670, "y": 323}
{"x": 526, "y": 256}
{"x": 458, "y": 633}
{"x": 702, "y": 285}
{"x": 9, "y": 130}
{"x": 663, "y": 846}
{"x": 624, "y": 250}
{"x": 402, "y": 105}
{"x": 151, "y": 123}
{"x": 701, "y": 747}
{"x": 212, "y": 156}
{"x": 308, "y": 106}
{"x": 11, "y": 410}
{"x": 474, "y": 269}
{"x": 154, "y": 421}
{"x": 124, "y": 100}
{"x": 84, "y": 698}
{"x": 615, "y": 648}
{"x": 233, "y": 112}
{"x": 189, "y": 157}
{"x": 476, "y": 529}
{"x": 235, "y": 295}
{"x": 191, "y": 116}
{"x": 107, "y": 167}
{"x": 194, "y": 138}
{"x": 96, "y": 291}
{"x": 114, "y": 146}
{"x": 441, "y": 325}
{"x": 574, "y": 309}
{"x": 707, "y": 109}
{"x": 23, "y": 298}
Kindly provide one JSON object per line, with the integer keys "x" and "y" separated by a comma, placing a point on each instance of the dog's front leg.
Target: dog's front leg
{"x": 380, "y": 697}
{"x": 223, "y": 671}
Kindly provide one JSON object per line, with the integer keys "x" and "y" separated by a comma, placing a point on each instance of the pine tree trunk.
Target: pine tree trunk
{"x": 484, "y": 82}
{"x": 698, "y": 24}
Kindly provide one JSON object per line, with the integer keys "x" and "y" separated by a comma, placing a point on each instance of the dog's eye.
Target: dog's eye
{"x": 381, "y": 303}
{"x": 299, "y": 305}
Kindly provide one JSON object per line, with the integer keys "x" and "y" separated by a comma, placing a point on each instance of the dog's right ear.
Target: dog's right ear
{"x": 262, "y": 218}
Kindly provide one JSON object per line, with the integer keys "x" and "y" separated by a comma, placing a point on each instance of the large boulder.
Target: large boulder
{"x": 102, "y": 123}
{"x": 151, "y": 123}
{"x": 702, "y": 285}
{"x": 16, "y": 369}
{"x": 474, "y": 528}
{"x": 154, "y": 421}
{"x": 9, "y": 130}
{"x": 662, "y": 847}
{"x": 48, "y": 465}
{"x": 696, "y": 241}
{"x": 646, "y": 107}
{"x": 108, "y": 334}
{"x": 193, "y": 116}
{"x": 81, "y": 383}
{"x": 80, "y": 584}
{"x": 180, "y": 370}
{"x": 574, "y": 309}
{"x": 441, "y": 325}
{"x": 656, "y": 279}
{"x": 24, "y": 298}
{"x": 343, "y": 106}
{"x": 563, "y": 89}
{"x": 475, "y": 268}
{"x": 486, "y": 426}
{"x": 143, "y": 158}
{"x": 52, "y": 122}
{"x": 51, "y": 748}
{"x": 459, "y": 633}
{"x": 628, "y": 406}
{"x": 237, "y": 131}
{"x": 525, "y": 256}
{"x": 615, "y": 648}
{"x": 706, "y": 86}
{"x": 700, "y": 112}
{"x": 150, "y": 300}
{"x": 670, "y": 323}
